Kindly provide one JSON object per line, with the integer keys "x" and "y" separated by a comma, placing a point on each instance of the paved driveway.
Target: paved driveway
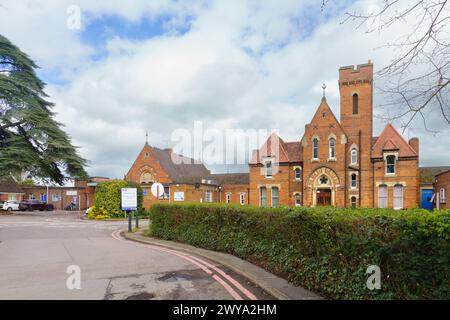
{"x": 37, "y": 248}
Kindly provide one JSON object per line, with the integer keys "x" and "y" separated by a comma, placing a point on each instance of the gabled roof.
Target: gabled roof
{"x": 9, "y": 186}
{"x": 184, "y": 169}
{"x": 324, "y": 107}
{"x": 287, "y": 151}
{"x": 390, "y": 140}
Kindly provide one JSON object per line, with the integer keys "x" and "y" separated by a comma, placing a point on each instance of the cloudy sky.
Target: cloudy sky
{"x": 158, "y": 66}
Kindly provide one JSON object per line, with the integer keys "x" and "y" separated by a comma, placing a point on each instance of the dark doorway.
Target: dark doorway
{"x": 323, "y": 197}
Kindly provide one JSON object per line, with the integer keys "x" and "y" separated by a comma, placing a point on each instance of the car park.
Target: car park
{"x": 30, "y": 205}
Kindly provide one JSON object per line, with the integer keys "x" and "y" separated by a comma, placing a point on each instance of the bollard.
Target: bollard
{"x": 137, "y": 219}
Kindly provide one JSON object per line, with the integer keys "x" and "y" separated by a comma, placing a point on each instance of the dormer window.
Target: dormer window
{"x": 353, "y": 156}
{"x": 315, "y": 148}
{"x": 332, "y": 147}
{"x": 390, "y": 164}
{"x": 268, "y": 169}
{"x": 355, "y": 103}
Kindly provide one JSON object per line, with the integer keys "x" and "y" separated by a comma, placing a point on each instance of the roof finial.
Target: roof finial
{"x": 146, "y": 137}
{"x": 324, "y": 86}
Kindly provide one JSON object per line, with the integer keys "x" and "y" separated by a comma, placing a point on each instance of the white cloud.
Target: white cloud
{"x": 242, "y": 64}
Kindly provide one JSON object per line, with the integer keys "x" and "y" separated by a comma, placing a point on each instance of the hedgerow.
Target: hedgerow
{"x": 326, "y": 250}
{"x": 107, "y": 199}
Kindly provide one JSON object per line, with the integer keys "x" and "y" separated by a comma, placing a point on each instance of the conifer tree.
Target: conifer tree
{"x": 30, "y": 138}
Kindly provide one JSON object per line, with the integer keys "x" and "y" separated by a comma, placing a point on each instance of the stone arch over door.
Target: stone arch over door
{"x": 322, "y": 179}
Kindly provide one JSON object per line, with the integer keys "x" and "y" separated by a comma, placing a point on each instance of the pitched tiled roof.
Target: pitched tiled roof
{"x": 390, "y": 139}
{"x": 231, "y": 178}
{"x": 184, "y": 169}
{"x": 10, "y": 186}
{"x": 428, "y": 174}
{"x": 287, "y": 151}
{"x": 294, "y": 151}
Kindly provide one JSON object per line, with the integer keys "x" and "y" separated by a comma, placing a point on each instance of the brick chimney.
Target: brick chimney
{"x": 414, "y": 143}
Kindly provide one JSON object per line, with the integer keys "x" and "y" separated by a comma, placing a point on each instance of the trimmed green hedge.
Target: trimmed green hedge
{"x": 108, "y": 196}
{"x": 326, "y": 250}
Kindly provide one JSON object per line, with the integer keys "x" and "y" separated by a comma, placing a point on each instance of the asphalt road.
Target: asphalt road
{"x": 36, "y": 250}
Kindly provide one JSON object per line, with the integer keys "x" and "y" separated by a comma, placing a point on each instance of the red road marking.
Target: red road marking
{"x": 199, "y": 263}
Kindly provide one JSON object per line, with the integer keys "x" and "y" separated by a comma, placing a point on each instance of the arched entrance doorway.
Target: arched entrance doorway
{"x": 323, "y": 183}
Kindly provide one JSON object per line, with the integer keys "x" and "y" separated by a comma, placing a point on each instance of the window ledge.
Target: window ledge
{"x": 331, "y": 159}
{"x": 390, "y": 174}
{"x": 315, "y": 160}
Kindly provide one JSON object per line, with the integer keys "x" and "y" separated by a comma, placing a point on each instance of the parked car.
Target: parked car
{"x": 10, "y": 205}
{"x": 30, "y": 205}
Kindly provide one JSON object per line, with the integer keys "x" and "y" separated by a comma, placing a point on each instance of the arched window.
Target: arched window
{"x": 355, "y": 103}
{"x": 442, "y": 195}
{"x": 353, "y": 184}
{"x": 146, "y": 177}
{"x": 298, "y": 200}
{"x": 382, "y": 196}
{"x": 354, "y": 156}
{"x": 353, "y": 202}
{"x": 390, "y": 164}
{"x": 332, "y": 146}
{"x": 315, "y": 148}
{"x": 298, "y": 174}
{"x": 398, "y": 196}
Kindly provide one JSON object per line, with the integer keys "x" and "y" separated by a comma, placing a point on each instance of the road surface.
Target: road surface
{"x": 38, "y": 249}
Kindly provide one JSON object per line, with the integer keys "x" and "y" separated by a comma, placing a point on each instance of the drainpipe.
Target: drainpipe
{"x": 345, "y": 175}
{"x": 360, "y": 167}
{"x": 373, "y": 182}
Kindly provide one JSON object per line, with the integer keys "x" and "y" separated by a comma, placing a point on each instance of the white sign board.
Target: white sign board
{"x": 178, "y": 196}
{"x": 71, "y": 192}
{"x": 129, "y": 199}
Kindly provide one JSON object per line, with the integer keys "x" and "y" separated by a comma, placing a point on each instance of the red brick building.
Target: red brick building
{"x": 339, "y": 163}
{"x": 184, "y": 179}
{"x": 442, "y": 190}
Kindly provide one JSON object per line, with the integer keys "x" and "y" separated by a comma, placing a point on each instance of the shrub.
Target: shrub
{"x": 107, "y": 199}
{"x": 326, "y": 250}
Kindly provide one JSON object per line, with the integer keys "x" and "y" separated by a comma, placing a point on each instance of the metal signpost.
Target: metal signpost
{"x": 129, "y": 204}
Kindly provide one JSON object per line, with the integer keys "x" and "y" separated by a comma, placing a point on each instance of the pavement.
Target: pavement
{"x": 278, "y": 287}
{"x": 42, "y": 252}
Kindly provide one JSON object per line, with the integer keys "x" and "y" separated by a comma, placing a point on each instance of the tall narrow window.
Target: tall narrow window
{"x": 354, "y": 156}
{"x": 208, "y": 196}
{"x": 382, "y": 196}
{"x": 228, "y": 197}
{"x": 242, "y": 198}
{"x": 263, "y": 197}
{"x": 332, "y": 144}
{"x": 315, "y": 148}
{"x": 298, "y": 174}
{"x": 355, "y": 103}
{"x": 353, "y": 182}
{"x": 353, "y": 202}
{"x": 442, "y": 195}
{"x": 298, "y": 200}
{"x": 398, "y": 196}
{"x": 268, "y": 166}
{"x": 390, "y": 164}
{"x": 275, "y": 196}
